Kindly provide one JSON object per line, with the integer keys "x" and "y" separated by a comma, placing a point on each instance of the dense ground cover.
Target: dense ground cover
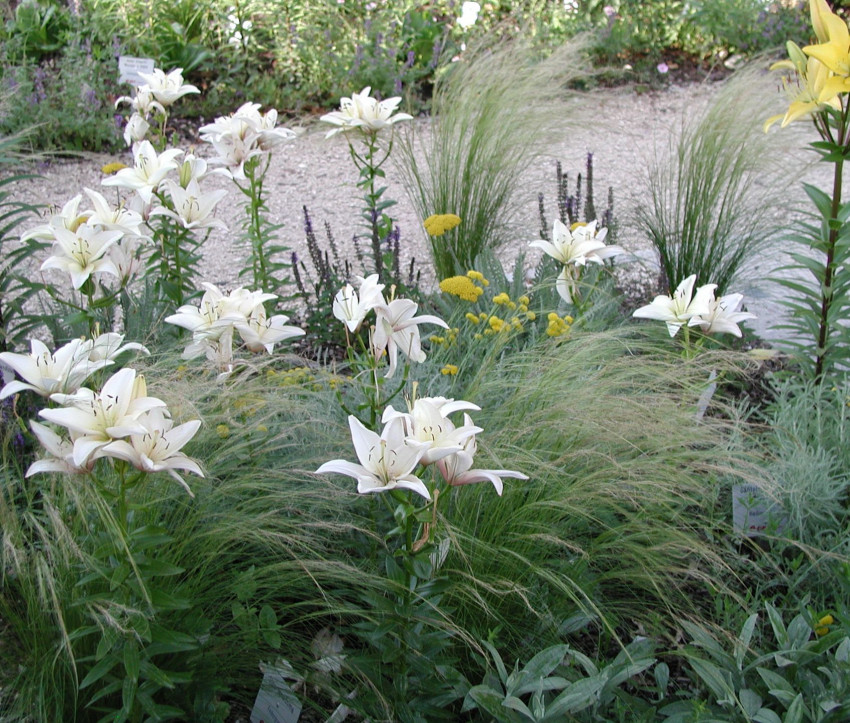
{"x": 506, "y": 499}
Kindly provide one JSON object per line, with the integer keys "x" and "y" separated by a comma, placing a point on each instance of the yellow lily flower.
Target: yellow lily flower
{"x": 819, "y": 9}
{"x": 816, "y": 89}
{"x": 835, "y": 53}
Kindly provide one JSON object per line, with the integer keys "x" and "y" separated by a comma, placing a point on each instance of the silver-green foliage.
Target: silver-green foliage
{"x": 799, "y": 676}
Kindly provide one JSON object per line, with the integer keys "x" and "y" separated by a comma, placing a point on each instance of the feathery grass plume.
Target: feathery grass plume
{"x": 492, "y": 112}
{"x": 715, "y": 200}
{"x": 623, "y": 486}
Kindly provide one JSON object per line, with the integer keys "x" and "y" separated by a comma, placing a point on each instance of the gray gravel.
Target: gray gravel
{"x": 627, "y": 130}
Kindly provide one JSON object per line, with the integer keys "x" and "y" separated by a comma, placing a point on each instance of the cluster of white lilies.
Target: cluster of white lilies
{"x": 700, "y": 309}
{"x": 120, "y": 421}
{"x": 219, "y": 315}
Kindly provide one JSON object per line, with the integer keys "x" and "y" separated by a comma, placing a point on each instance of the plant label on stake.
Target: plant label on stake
{"x": 753, "y": 514}
{"x": 275, "y": 703}
{"x": 129, "y": 69}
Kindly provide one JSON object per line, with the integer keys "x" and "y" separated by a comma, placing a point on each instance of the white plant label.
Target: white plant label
{"x": 275, "y": 703}
{"x": 753, "y": 513}
{"x": 129, "y": 69}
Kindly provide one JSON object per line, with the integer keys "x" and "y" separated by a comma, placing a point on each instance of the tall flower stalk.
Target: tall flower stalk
{"x": 820, "y": 89}
{"x": 368, "y": 118}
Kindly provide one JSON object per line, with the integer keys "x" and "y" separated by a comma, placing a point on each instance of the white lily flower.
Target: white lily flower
{"x": 142, "y": 103}
{"x": 122, "y": 219}
{"x": 110, "y": 345}
{"x": 468, "y": 14}
{"x": 679, "y": 309}
{"x": 396, "y": 328}
{"x": 167, "y": 88}
{"x": 125, "y": 256}
{"x": 457, "y": 470}
{"x": 46, "y": 373}
{"x": 82, "y": 253}
{"x": 363, "y": 112}
{"x": 351, "y": 307}
{"x": 192, "y": 169}
{"x": 136, "y": 129}
{"x": 580, "y": 246}
{"x": 261, "y": 334}
{"x": 101, "y": 417}
{"x": 386, "y": 461}
{"x": 428, "y": 424}
{"x": 157, "y": 449}
{"x": 61, "y": 453}
{"x": 69, "y": 218}
{"x": 723, "y": 316}
{"x": 148, "y": 171}
{"x": 192, "y": 207}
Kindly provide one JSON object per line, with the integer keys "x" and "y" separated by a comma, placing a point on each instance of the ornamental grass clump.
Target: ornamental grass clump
{"x": 492, "y": 113}
{"x": 714, "y": 202}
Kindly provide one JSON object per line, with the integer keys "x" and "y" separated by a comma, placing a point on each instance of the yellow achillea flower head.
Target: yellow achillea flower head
{"x": 524, "y": 300}
{"x": 439, "y": 223}
{"x": 222, "y": 430}
{"x": 472, "y": 318}
{"x": 530, "y": 315}
{"x": 477, "y": 276}
{"x": 502, "y": 298}
{"x": 496, "y": 324}
{"x": 558, "y": 326}
{"x": 449, "y": 370}
{"x": 113, "y": 167}
{"x": 462, "y": 287}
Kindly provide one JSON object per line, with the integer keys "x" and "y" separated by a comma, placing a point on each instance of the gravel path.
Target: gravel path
{"x": 317, "y": 172}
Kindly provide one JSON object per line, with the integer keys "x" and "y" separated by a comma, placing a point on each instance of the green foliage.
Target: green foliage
{"x": 38, "y": 30}
{"x": 709, "y": 214}
{"x": 64, "y": 103}
{"x": 560, "y": 681}
{"x": 14, "y": 290}
{"x": 798, "y": 676}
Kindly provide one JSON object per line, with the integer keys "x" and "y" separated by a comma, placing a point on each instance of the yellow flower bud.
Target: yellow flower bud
{"x": 449, "y": 370}
{"x": 472, "y": 318}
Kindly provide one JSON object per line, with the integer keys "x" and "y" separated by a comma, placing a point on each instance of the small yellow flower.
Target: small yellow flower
{"x": 222, "y": 430}
{"x": 552, "y": 316}
{"x": 502, "y": 298}
{"x": 439, "y": 223}
{"x": 477, "y": 276}
{"x": 113, "y": 167}
{"x": 569, "y": 319}
{"x": 524, "y": 300}
{"x": 438, "y": 340}
{"x": 262, "y": 428}
{"x": 822, "y": 627}
{"x": 496, "y": 323}
{"x": 516, "y": 323}
{"x": 472, "y": 318}
{"x": 511, "y": 304}
{"x": 483, "y": 316}
{"x": 449, "y": 370}
{"x": 530, "y": 315}
{"x": 462, "y": 287}
{"x": 477, "y": 336}
{"x": 523, "y": 308}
